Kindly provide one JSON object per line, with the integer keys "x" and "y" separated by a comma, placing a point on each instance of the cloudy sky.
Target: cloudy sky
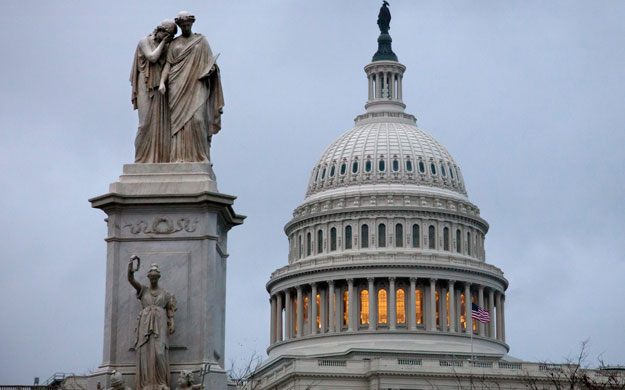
{"x": 528, "y": 96}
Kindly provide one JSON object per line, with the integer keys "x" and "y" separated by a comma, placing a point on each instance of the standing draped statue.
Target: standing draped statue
{"x": 156, "y": 323}
{"x": 152, "y": 143}
{"x": 191, "y": 79}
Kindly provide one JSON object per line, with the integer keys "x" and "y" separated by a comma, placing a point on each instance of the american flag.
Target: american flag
{"x": 479, "y": 314}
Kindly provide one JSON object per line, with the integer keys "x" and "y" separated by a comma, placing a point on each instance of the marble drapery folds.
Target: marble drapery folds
{"x": 152, "y": 344}
{"x": 195, "y": 98}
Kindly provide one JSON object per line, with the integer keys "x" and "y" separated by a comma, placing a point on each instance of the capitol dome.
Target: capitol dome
{"x": 386, "y": 252}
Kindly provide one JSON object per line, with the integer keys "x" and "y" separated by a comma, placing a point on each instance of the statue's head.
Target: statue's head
{"x": 165, "y": 28}
{"x": 185, "y": 20}
{"x": 154, "y": 274}
{"x": 117, "y": 381}
{"x": 186, "y": 378}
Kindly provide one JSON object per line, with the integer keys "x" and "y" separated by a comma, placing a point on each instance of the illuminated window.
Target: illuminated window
{"x": 416, "y": 240}
{"x": 345, "y": 308}
{"x": 333, "y": 239}
{"x": 319, "y": 241}
{"x": 446, "y": 239}
{"x": 382, "y": 306}
{"x": 438, "y": 319}
{"x": 364, "y": 236}
{"x": 458, "y": 241}
{"x": 419, "y": 306}
{"x": 463, "y": 312}
{"x": 469, "y": 243}
{"x": 364, "y": 307}
{"x": 447, "y": 295}
{"x": 308, "y": 244}
{"x": 348, "y": 237}
{"x": 399, "y": 235}
{"x": 381, "y": 235}
{"x": 432, "y": 237}
{"x": 318, "y": 311}
{"x": 305, "y": 309}
{"x": 401, "y": 306}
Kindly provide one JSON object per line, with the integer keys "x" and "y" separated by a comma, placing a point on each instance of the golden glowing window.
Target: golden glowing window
{"x": 401, "y": 306}
{"x": 463, "y": 312}
{"x": 419, "y": 306}
{"x": 447, "y": 295}
{"x": 345, "y": 308}
{"x": 438, "y": 319}
{"x": 382, "y": 312}
{"x": 305, "y": 309}
{"x": 318, "y": 311}
{"x": 364, "y": 307}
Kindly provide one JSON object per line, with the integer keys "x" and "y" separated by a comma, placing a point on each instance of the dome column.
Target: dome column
{"x": 300, "y": 312}
{"x": 442, "y": 302}
{"x": 350, "y": 305}
{"x": 272, "y": 321}
{"x": 503, "y": 318}
{"x": 314, "y": 329}
{"x": 288, "y": 315}
{"x": 452, "y": 306}
{"x": 331, "y": 307}
{"x": 467, "y": 308}
{"x": 279, "y": 308}
{"x": 323, "y": 304}
{"x": 412, "y": 305}
{"x": 491, "y": 310}
{"x": 432, "y": 311}
{"x": 480, "y": 301}
{"x": 392, "y": 304}
{"x": 373, "y": 310}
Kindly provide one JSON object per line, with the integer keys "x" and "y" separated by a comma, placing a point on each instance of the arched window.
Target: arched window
{"x": 381, "y": 235}
{"x": 318, "y": 311}
{"x": 438, "y": 313}
{"x": 319, "y": 241}
{"x": 399, "y": 235}
{"x": 432, "y": 237}
{"x": 323, "y": 173}
{"x": 443, "y": 173}
{"x": 348, "y": 237}
{"x": 333, "y": 239}
{"x": 345, "y": 308}
{"x": 308, "y": 244}
{"x": 343, "y": 168}
{"x": 381, "y": 166}
{"x": 408, "y": 166}
{"x": 317, "y": 174}
{"x": 416, "y": 237}
{"x": 446, "y": 238}
{"x": 421, "y": 167}
{"x": 355, "y": 167}
{"x": 300, "y": 247}
{"x": 332, "y": 171}
{"x": 458, "y": 241}
{"x": 364, "y": 236}
{"x": 447, "y": 303}
{"x": 368, "y": 166}
{"x": 463, "y": 312}
{"x": 432, "y": 168}
{"x": 451, "y": 172}
{"x": 382, "y": 307}
{"x": 395, "y": 165}
{"x": 469, "y": 243}
{"x": 419, "y": 306}
{"x": 364, "y": 307}
{"x": 400, "y": 301}
{"x": 305, "y": 309}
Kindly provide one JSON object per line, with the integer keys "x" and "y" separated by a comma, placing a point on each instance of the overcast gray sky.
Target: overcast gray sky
{"x": 527, "y": 96}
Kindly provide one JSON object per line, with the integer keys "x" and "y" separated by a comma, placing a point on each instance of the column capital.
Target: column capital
{"x": 331, "y": 283}
{"x": 313, "y": 284}
{"x": 480, "y": 287}
{"x": 299, "y": 288}
{"x": 370, "y": 279}
{"x": 413, "y": 279}
{"x": 350, "y": 281}
{"x": 451, "y": 282}
{"x": 391, "y": 279}
{"x": 433, "y": 280}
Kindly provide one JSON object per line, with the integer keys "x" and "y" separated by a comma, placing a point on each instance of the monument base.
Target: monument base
{"x": 171, "y": 215}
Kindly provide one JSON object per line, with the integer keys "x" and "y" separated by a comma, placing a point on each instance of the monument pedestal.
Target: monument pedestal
{"x": 171, "y": 215}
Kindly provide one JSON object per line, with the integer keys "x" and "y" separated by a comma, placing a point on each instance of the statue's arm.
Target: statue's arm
{"x": 152, "y": 56}
{"x": 164, "y": 74}
{"x": 131, "y": 278}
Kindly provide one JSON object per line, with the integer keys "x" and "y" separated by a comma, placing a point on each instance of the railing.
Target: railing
{"x": 409, "y": 362}
{"x": 450, "y": 363}
{"x": 510, "y": 366}
{"x": 549, "y": 367}
{"x": 27, "y": 387}
{"x": 332, "y": 363}
{"x": 482, "y": 364}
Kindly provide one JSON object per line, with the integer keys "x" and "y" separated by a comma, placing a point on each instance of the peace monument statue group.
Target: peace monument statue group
{"x": 166, "y": 209}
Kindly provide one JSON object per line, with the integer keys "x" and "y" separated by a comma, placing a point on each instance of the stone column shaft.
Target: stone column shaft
{"x": 432, "y": 314}
{"x": 370, "y": 79}
{"x": 498, "y": 315}
{"x": 467, "y": 307}
{"x": 491, "y": 311}
{"x": 300, "y": 312}
{"x": 452, "y": 307}
{"x": 313, "y": 320}
{"x": 272, "y": 320}
{"x": 350, "y": 305}
{"x": 323, "y": 316}
{"x": 392, "y": 304}
{"x": 442, "y": 301}
{"x": 412, "y": 305}
{"x": 503, "y": 318}
{"x": 480, "y": 301}
{"x": 331, "y": 307}
{"x": 279, "y": 307}
{"x": 288, "y": 315}
{"x": 391, "y": 85}
{"x": 373, "y": 310}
